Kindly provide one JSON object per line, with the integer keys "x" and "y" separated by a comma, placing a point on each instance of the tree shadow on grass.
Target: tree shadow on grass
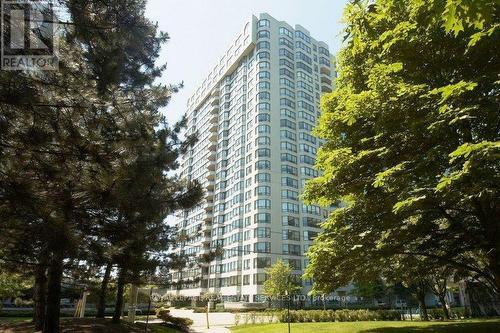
{"x": 475, "y": 327}
{"x": 76, "y": 325}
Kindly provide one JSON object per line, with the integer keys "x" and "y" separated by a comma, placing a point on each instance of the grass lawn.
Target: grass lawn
{"x": 4, "y": 320}
{"x": 469, "y": 326}
{"x": 157, "y": 328}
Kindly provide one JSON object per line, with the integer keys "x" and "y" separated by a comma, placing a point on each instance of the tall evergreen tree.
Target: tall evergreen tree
{"x": 86, "y": 146}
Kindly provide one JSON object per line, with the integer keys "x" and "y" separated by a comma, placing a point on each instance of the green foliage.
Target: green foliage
{"x": 371, "y": 290}
{"x": 280, "y": 281}
{"x": 12, "y": 285}
{"x": 412, "y": 137}
{"x": 309, "y": 316}
{"x": 181, "y": 323}
{"x": 87, "y": 159}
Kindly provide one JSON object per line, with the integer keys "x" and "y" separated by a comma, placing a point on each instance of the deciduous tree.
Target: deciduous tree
{"x": 412, "y": 142}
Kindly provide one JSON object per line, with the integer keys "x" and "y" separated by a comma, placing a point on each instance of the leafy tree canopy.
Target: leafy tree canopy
{"x": 280, "y": 281}
{"x": 412, "y": 142}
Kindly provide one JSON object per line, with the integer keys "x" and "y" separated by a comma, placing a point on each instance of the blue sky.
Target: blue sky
{"x": 201, "y": 30}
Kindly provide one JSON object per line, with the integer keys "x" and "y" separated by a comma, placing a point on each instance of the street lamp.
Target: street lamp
{"x": 288, "y": 309}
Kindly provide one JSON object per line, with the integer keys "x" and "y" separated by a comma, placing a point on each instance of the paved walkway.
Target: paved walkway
{"x": 219, "y": 321}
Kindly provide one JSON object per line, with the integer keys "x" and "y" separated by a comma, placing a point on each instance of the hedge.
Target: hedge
{"x": 307, "y": 316}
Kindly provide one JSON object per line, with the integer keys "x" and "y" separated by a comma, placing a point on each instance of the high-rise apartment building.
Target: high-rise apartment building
{"x": 254, "y": 114}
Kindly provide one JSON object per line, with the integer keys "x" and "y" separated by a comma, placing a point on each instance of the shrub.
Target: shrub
{"x": 181, "y": 323}
{"x": 342, "y": 315}
{"x": 459, "y": 313}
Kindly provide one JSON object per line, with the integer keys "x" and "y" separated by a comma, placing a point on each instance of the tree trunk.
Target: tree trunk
{"x": 442, "y": 300}
{"x": 494, "y": 266}
{"x": 51, "y": 324}
{"x": 101, "y": 303}
{"x": 39, "y": 296}
{"x": 423, "y": 307}
{"x": 119, "y": 295}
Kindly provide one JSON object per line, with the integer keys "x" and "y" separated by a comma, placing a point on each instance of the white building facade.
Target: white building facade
{"x": 254, "y": 114}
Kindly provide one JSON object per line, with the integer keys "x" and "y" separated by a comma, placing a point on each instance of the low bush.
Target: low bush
{"x": 455, "y": 313}
{"x": 460, "y": 313}
{"x": 306, "y": 316}
{"x": 182, "y": 324}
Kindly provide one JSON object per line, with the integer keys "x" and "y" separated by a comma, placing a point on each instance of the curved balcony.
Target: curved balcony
{"x": 325, "y": 70}
{"x": 326, "y": 79}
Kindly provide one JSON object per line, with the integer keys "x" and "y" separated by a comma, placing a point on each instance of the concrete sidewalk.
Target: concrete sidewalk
{"x": 219, "y": 321}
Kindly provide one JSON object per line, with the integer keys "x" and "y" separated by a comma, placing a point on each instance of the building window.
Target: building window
{"x": 287, "y": 146}
{"x": 286, "y": 42}
{"x": 286, "y": 134}
{"x": 289, "y": 194}
{"x": 286, "y": 157}
{"x": 263, "y": 165}
{"x": 263, "y": 23}
{"x": 323, "y": 51}
{"x": 262, "y": 247}
{"x": 264, "y": 64}
{"x": 263, "y": 55}
{"x": 263, "y": 129}
{"x": 302, "y": 46}
{"x": 263, "y": 152}
{"x": 304, "y": 67}
{"x": 287, "y": 63}
{"x": 262, "y": 218}
{"x": 306, "y": 159}
{"x": 290, "y": 182}
{"x": 263, "y": 117}
{"x": 285, "y": 123}
{"x": 263, "y": 34}
{"x": 263, "y": 190}
{"x": 324, "y": 61}
{"x": 286, "y": 53}
{"x": 292, "y": 249}
{"x": 262, "y": 204}
{"x": 287, "y": 72}
{"x": 287, "y": 82}
{"x": 287, "y": 113}
{"x": 263, "y": 96}
{"x": 288, "y": 207}
{"x": 290, "y": 221}
{"x": 293, "y": 235}
{"x": 310, "y": 235}
{"x": 303, "y": 57}
{"x": 263, "y": 141}
{"x": 264, "y": 75}
{"x": 303, "y": 36}
{"x": 285, "y": 32}
{"x": 263, "y": 45}
{"x": 264, "y": 106}
{"x": 287, "y": 102}
{"x": 262, "y": 232}
{"x": 287, "y": 92}
{"x": 289, "y": 170}
{"x": 263, "y": 178}
{"x": 263, "y": 85}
